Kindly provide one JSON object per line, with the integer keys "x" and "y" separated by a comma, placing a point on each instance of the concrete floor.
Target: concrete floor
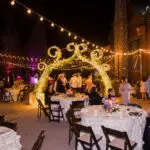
{"x": 29, "y": 126}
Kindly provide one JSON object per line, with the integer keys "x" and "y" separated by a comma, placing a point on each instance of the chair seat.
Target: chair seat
{"x": 119, "y": 143}
{"x": 86, "y": 137}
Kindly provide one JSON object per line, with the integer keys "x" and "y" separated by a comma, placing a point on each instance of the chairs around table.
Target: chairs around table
{"x": 41, "y": 108}
{"x": 56, "y": 111}
{"x": 85, "y": 136}
{"x": 135, "y": 105}
{"x": 38, "y": 143}
{"x": 8, "y": 97}
{"x": 120, "y": 142}
{"x": 71, "y": 118}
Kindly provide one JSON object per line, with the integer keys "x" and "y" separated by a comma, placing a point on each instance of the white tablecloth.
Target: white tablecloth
{"x": 9, "y": 140}
{"x": 95, "y": 116}
{"x": 66, "y": 101}
{"x": 14, "y": 92}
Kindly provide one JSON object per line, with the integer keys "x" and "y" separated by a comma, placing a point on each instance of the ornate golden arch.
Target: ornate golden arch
{"x": 78, "y": 51}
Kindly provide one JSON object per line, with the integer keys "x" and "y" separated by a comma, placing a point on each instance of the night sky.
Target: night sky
{"x": 91, "y": 19}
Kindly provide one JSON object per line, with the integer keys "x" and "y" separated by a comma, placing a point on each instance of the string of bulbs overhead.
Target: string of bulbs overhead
{"x": 53, "y": 24}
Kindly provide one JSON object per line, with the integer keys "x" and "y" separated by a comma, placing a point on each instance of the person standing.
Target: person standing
{"x": 79, "y": 82}
{"x": 148, "y": 86}
{"x": 73, "y": 82}
{"x": 125, "y": 90}
{"x": 143, "y": 89}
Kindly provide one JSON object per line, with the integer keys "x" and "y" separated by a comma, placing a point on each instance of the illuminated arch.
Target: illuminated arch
{"x": 78, "y": 50}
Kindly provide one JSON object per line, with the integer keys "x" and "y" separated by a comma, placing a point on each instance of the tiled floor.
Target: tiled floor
{"x": 29, "y": 126}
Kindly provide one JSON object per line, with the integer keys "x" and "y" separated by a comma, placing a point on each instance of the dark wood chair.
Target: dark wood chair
{"x": 21, "y": 95}
{"x": 86, "y": 137}
{"x": 2, "y": 118}
{"x": 121, "y": 140}
{"x": 77, "y": 105}
{"x": 42, "y": 108}
{"x": 56, "y": 111}
{"x": 38, "y": 143}
{"x": 8, "y": 97}
{"x": 71, "y": 118}
{"x": 10, "y": 125}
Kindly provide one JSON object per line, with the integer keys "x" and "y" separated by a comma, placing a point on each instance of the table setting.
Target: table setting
{"x": 124, "y": 118}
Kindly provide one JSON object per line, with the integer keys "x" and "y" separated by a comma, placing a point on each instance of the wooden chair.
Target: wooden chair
{"x": 21, "y": 95}
{"x": 8, "y": 97}
{"x": 2, "y": 118}
{"x": 10, "y": 125}
{"x": 56, "y": 111}
{"x": 86, "y": 137}
{"x": 120, "y": 142}
{"x": 38, "y": 143}
{"x": 42, "y": 108}
{"x": 77, "y": 105}
{"x": 71, "y": 118}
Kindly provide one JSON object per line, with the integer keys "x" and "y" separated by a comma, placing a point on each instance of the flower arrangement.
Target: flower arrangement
{"x": 111, "y": 104}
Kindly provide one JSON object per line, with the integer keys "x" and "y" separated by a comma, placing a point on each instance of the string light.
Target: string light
{"x": 29, "y": 11}
{"x": 62, "y": 29}
{"x": 88, "y": 43}
{"x": 52, "y": 25}
{"x": 75, "y": 37}
{"x": 12, "y": 2}
{"x": 41, "y": 18}
{"x": 69, "y": 34}
{"x": 93, "y": 45}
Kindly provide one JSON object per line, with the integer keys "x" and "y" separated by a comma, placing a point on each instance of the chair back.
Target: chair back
{"x": 117, "y": 134}
{"x": 38, "y": 143}
{"x": 77, "y": 104}
{"x": 10, "y": 125}
{"x": 41, "y": 106}
{"x": 2, "y": 118}
{"x": 78, "y": 129}
{"x": 70, "y": 116}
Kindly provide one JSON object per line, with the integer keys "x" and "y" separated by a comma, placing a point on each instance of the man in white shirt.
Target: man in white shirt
{"x": 73, "y": 82}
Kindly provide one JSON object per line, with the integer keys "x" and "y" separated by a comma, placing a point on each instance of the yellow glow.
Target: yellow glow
{"x": 75, "y": 37}
{"x": 29, "y": 11}
{"x": 41, "y": 18}
{"x": 12, "y": 2}
{"x": 52, "y": 25}
{"x": 93, "y": 45}
{"x": 69, "y": 34}
{"x": 88, "y": 43}
{"x": 83, "y": 40}
{"x": 62, "y": 29}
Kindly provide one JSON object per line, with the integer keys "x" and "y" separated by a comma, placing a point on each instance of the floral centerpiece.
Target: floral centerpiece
{"x": 70, "y": 93}
{"x": 111, "y": 104}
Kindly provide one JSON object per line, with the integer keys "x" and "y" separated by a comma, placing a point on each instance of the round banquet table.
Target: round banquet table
{"x": 9, "y": 140}
{"x": 96, "y": 116}
{"x": 66, "y": 101}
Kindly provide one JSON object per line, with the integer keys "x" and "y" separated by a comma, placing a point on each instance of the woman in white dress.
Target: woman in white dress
{"x": 143, "y": 89}
{"x": 125, "y": 90}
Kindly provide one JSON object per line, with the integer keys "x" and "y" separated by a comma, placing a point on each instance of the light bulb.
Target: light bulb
{"x": 52, "y": 25}
{"x": 29, "y": 11}
{"x": 69, "y": 34}
{"x": 41, "y": 18}
{"x": 75, "y": 37}
{"x": 88, "y": 43}
{"x": 62, "y": 29}
{"x": 12, "y": 2}
{"x": 82, "y": 40}
{"x": 93, "y": 45}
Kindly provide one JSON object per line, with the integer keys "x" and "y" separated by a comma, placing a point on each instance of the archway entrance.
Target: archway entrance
{"x": 76, "y": 52}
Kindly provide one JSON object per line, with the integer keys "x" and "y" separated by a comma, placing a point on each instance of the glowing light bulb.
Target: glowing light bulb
{"x": 29, "y": 11}
{"x": 69, "y": 34}
{"x": 75, "y": 37}
{"x": 62, "y": 29}
{"x": 41, "y": 18}
{"x": 96, "y": 46}
{"x": 82, "y": 40}
{"x": 88, "y": 43}
{"x": 52, "y": 25}
{"x": 12, "y": 2}
{"x": 93, "y": 45}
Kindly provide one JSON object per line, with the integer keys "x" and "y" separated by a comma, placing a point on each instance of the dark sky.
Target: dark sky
{"x": 92, "y": 19}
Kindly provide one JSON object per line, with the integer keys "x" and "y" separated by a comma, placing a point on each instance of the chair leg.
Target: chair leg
{"x": 70, "y": 136}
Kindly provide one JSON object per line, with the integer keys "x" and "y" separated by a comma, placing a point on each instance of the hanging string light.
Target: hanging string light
{"x": 12, "y": 2}
{"x": 52, "y": 24}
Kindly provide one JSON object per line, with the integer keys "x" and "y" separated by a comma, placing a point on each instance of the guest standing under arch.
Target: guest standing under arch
{"x": 125, "y": 90}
